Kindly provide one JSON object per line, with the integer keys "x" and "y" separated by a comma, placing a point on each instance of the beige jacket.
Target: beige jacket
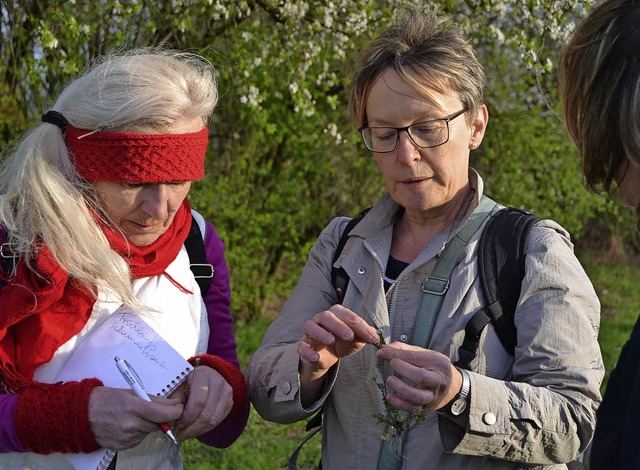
{"x": 536, "y": 407}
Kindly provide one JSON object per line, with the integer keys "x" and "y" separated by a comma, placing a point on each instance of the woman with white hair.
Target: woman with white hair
{"x": 95, "y": 214}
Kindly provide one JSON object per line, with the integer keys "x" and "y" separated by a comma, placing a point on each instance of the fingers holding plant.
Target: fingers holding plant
{"x": 422, "y": 379}
{"x": 333, "y": 334}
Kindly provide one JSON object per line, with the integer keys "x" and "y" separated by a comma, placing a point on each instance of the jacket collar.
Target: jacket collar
{"x": 377, "y": 226}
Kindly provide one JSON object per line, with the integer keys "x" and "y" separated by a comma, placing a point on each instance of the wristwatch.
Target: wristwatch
{"x": 459, "y": 403}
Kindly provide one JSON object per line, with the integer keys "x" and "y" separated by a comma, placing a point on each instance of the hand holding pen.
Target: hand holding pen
{"x": 133, "y": 379}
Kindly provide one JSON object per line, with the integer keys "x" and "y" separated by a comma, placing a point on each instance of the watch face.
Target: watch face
{"x": 458, "y": 406}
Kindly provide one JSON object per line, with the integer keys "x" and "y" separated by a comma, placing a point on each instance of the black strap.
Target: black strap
{"x": 200, "y": 267}
{"x": 293, "y": 459}
{"x": 340, "y": 281}
{"x": 315, "y": 421}
{"x": 339, "y": 277}
{"x": 469, "y": 348}
{"x": 501, "y": 261}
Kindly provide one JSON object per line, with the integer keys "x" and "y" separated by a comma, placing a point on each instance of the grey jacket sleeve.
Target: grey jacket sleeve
{"x": 546, "y": 412}
{"x": 272, "y": 373}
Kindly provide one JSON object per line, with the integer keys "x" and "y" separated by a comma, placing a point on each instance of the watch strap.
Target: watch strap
{"x": 460, "y": 402}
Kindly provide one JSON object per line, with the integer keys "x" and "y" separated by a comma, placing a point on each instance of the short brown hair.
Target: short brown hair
{"x": 429, "y": 52}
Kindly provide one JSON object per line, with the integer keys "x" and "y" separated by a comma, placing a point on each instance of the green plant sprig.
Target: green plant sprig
{"x": 396, "y": 422}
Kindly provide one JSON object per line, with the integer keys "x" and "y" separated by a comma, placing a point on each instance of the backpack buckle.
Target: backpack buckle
{"x": 6, "y": 251}
{"x": 435, "y": 285}
{"x": 202, "y": 270}
{"x": 8, "y": 258}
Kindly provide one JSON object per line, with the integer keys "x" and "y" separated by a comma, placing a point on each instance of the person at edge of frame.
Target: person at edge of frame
{"x": 599, "y": 74}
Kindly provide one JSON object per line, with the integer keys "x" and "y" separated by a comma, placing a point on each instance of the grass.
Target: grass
{"x": 267, "y": 446}
{"x": 263, "y": 445}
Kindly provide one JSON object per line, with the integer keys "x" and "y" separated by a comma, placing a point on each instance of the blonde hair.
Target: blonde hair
{"x": 599, "y": 74}
{"x": 429, "y": 52}
{"x": 143, "y": 90}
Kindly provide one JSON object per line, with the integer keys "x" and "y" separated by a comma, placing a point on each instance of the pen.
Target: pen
{"x": 133, "y": 379}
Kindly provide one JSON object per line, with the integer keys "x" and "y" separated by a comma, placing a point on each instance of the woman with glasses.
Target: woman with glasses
{"x": 600, "y": 85}
{"x": 391, "y": 397}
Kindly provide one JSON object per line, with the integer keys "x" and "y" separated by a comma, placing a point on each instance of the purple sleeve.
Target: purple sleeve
{"x": 221, "y": 339}
{"x": 9, "y": 441}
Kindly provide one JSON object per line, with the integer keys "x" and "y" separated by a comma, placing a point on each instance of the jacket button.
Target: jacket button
{"x": 286, "y": 388}
{"x": 489, "y": 419}
{"x": 403, "y": 338}
{"x": 361, "y": 270}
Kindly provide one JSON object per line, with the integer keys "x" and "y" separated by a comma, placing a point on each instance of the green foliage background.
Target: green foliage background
{"x": 284, "y": 158}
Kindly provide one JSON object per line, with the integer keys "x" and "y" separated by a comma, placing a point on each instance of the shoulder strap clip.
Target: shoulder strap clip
{"x": 9, "y": 258}
{"x": 202, "y": 272}
{"x": 435, "y": 285}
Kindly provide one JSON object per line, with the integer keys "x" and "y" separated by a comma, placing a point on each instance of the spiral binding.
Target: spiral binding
{"x": 175, "y": 383}
{"x": 106, "y": 460}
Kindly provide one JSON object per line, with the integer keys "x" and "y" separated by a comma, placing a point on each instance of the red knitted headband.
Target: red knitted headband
{"x": 122, "y": 157}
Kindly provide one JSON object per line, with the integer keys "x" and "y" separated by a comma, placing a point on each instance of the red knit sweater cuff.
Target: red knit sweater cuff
{"x": 232, "y": 374}
{"x": 55, "y": 418}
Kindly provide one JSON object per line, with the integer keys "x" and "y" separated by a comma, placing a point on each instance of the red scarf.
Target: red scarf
{"x": 41, "y": 308}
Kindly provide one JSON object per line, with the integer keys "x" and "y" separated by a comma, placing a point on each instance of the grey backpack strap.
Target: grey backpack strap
{"x": 434, "y": 288}
{"x": 436, "y": 285}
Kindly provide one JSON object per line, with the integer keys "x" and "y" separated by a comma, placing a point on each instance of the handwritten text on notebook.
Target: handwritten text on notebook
{"x": 133, "y": 329}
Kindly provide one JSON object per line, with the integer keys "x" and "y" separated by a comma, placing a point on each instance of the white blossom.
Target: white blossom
{"x": 332, "y": 130}
{"x": 252, "y": 98}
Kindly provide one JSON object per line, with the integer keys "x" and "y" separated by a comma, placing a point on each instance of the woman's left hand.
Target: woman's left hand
{"x": 436, "y": 379}
{"x": 209, "y": 401}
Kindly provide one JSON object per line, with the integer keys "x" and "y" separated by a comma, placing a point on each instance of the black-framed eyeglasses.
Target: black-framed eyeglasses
{"x": 425, "y": 134}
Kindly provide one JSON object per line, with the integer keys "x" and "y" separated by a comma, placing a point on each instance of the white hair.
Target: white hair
{"x": 143, "y": 90}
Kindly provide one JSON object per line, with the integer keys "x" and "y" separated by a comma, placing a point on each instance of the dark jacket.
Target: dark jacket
{"x": 616, "y": 443}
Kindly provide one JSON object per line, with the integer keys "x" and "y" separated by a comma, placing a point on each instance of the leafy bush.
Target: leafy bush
{"x": 284, "y": 158}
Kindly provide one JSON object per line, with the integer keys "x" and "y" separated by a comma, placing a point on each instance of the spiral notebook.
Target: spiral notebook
{"x": 124, "y": 334}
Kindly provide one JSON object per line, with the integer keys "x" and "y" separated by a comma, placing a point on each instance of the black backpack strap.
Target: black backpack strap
{"x": 501, "y": 261}
{"x": 339, "y": 281}
{"x": 469, "y": 347}
{"x": 200, "y": 267}
{"x": 293, "y": 459}
{"x": 339, "y": 277}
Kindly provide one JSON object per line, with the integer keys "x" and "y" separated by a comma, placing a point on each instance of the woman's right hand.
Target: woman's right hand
{"x": 120, "y": 420}
{"x": 329, "y": 336}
